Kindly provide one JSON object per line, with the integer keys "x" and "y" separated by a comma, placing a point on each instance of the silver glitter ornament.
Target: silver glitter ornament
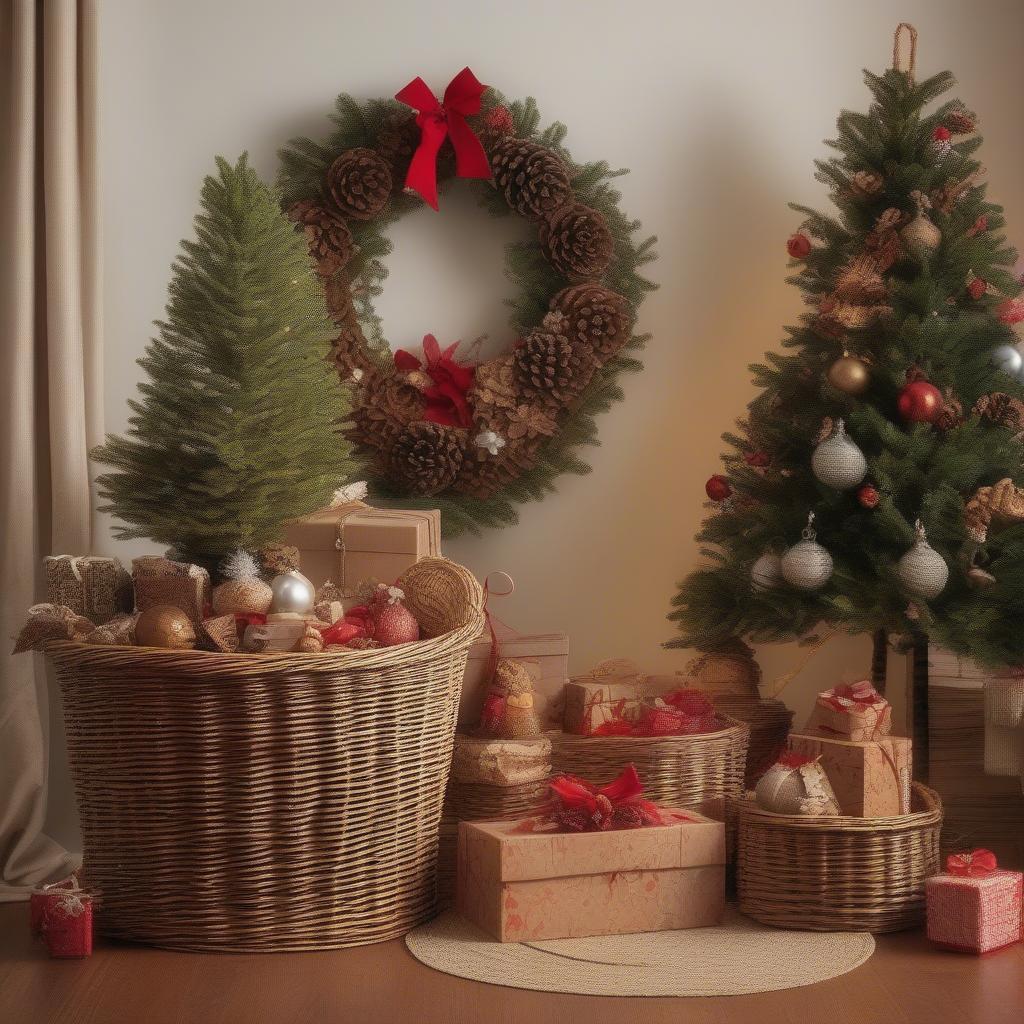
{"x": 922, "y": 571}
{"x": 837, "y": 462}
{"x": 766, "y": 572}
{"x": 292, "y": 593}
{"x": 807, "y": 565}
{"x": 1008, "y": 359}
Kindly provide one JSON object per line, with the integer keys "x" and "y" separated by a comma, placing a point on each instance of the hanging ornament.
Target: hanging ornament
{"x": 921, "y": 236}
{"x": 837, "y": 462}
{"x": 977, "y": 288}
{"x": 766, "y": 572}
{"x": 1008, "y": 359}
{"x": 868, "y": 496}
{"x": 941, "y": 143}
{"x": 1011, "y": 311}
{"x": 293, "y": 594}
{"x": 807, "y": 565}
{"x": 849, "y": 375}
{"x": 922, "y": 571}
{"x": 393, "y": 623}
{"x": 798, "y": 245}
{"x": 757, "y": 459}
{"x": 717, "y": 488}
{"x": 979, "y": 579}
{"x": 919, "y": 401}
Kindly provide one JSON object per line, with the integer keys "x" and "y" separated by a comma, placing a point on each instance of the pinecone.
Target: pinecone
{"x": 360, "y": 183}
{"x": 397, "y": 140}
{"x": 387, "y": 404}
{"x": 961, "y": 121}
{"x": 427, "y": 456}
{"x": 577, "y": 242}
{"x": 485, "y": 475}
{"x": 952, "y": 415}
{"x": 866, "y": 184}
{"x": 534, "y": 180}
{"x": 598, "y": 319}
{"x": 349, "y": 353}
{"x": 550, "y": 367}
{"x": 1002, "y": 409}
{"x": 328, "y": 237}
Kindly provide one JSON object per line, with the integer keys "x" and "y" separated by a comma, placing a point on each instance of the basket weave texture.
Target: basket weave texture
{"x": 838, "y": 873}
{"x": 269, "y": 802}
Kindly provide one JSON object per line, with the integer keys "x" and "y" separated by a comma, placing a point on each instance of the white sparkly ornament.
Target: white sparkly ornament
{"x": 766, "y": 572}
{"x": 807, "y": 565}
{"x": 1008, "y": 359}
{"x": 837, "y": 462}
{"x": 921, "y": 236}
{"x": 922, "y": 571}
{"x": 490, "y": 441}
{"x": 293, "y": 593}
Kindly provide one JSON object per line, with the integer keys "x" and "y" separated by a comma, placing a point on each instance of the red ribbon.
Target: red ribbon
{"x": 438, "y": 121}
{"x": 973, "y": 864}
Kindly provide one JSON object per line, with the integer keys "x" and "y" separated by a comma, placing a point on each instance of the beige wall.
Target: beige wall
{"x": 719, "y": 109}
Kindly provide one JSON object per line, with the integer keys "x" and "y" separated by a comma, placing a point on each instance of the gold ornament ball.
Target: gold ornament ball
{"x": 849, "y": 375}
{"x": 165, "y": 625}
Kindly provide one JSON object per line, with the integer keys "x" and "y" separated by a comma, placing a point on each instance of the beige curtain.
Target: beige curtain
{"x": 50, "y": 375}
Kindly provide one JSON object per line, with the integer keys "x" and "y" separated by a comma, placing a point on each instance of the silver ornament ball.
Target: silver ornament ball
{"x": 922, "y": 571}
{"x": 766, "y": 572}
{"x": 807, "y": 565}
{"x": 1008, "y": 359}
{"x": 292, "y": 593}
{"x": 838, "y": 462}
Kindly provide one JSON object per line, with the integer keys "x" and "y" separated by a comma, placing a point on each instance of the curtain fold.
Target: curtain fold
{"x": 50, "y": 373}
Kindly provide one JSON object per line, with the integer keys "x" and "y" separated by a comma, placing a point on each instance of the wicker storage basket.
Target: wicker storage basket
{"x": 769, "y": 722}
{"x": 838, "y": 874}
{"x": 702, "y": 771}
{"x": 269, "y": 802}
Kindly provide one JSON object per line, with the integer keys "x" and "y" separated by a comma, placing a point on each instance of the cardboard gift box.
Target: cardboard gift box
{"x": 612, "y": 692}
{"x": 160, "y": 581}
{"x": 856, "y": 712}
{"x": 61, "y": 914}
{"x": 973, "y": 907}
{"x": 520, "y": 886}
{"x": 870, "y": 780}
{"x": 351, "y": 543}
{"x": 94, "y": 586}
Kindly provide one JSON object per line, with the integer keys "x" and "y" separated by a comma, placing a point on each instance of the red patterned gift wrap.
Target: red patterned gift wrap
{"x": 974, "y": 907}
{"x": 62, "y": 915}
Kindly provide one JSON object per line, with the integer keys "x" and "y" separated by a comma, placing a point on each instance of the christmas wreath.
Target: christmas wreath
{"x": 441, "y": 431}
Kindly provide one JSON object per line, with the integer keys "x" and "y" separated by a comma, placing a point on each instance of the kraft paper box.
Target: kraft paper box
{"x": 352, "y": 543}
{"x": 837, "y": 715}
{"x": 528, "y": 886}
{"x": 160, "y": 581}
{"x": 870, "y": 780}
{"x": 94, "y": 586}
{"x": 974, "y": 915}
{"x": 589, "y": 705}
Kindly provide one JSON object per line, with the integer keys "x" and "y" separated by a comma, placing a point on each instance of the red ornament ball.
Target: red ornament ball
{"x": 798, "y": 246}
{"x": 920, "y": 402}
{"x": 977, "y": 288}
{"x": 868, "y": 496}
{"x": 941, "y": 134}
{"x": 717, "y": 488}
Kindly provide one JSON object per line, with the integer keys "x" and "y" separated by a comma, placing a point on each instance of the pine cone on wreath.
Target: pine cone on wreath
{"x": 598, "y": 319}
{"x": 397, "y": 140}
{"x": 550, "y": 367}
{"x": 482, "y": 477}
{"x": 428, "y": 456}
{"x": 348, "y": 351}
{"x": 535, "y": 180}
{"x": 387, "y": 404}
{"x": 359, "y": 182}
{"x": 328, "y": 237}
{"x": 1003, "y": 409}
{"x": 577, "y": 242}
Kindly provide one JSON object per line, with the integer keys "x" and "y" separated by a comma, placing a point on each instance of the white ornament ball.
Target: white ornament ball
{"x": 1008, "y": 359}
{"x": 292, "y": 593}
{"x": 837, "y": 462}
{"x": 766, "y": 572}
{"x": 807, "y": 565}
{"x": 922, "y": 571}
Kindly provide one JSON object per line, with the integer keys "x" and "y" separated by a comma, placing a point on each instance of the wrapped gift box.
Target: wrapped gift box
{"x": 93, "y": 586}
{"x": 974, "y": 913}
{"x": 528, "y": 886}
{"x": 351, "y": 543}
{"x": 870, "y": 780}
{"x": 856, "y": 712}
{"x": 161, "y": 581}
{"x": 62, "y": 915}
{"x": 589, "y": 707}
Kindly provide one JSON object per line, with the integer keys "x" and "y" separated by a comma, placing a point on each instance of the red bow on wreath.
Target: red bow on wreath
{"x": 446, "y": 397}
{"x": 975, "y": 864}
{"x": 438, "y": 121}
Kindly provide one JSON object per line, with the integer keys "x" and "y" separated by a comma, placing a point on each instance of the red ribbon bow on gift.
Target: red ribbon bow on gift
{"x": 438, "y": 121}
{"x": 975, "y": 864}
{"x": 857, "y": 693}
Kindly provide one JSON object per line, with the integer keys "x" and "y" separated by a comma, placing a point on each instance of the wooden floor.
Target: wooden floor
{"x": 905, "y": 982}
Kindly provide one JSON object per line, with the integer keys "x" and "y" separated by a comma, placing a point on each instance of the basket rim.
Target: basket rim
{"x": 931, "y": 815}
{"x": 733, "y": 726}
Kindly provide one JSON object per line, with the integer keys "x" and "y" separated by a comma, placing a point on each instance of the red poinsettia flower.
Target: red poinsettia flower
{"x": 446, "y": 396}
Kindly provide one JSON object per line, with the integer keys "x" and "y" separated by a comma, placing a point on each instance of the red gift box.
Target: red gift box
{"x": 62, "y": 915}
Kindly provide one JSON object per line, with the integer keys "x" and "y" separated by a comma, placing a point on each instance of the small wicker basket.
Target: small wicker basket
{"x": 269, "y": 802}
{"x": 838, "y": 873}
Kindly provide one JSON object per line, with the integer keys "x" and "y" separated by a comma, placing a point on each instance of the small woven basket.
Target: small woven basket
{"x": 703, "y": 771}
{"x": 838, "y": 873}
{"x": 267, "y": 802}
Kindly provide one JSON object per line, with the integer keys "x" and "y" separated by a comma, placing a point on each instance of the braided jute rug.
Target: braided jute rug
{"x": 735, "y": 958}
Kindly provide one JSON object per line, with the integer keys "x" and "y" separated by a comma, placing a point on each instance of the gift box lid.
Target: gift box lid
{"x": 506, "y": 855}
{"x": 514, "y": 645}
{"x": 363, "y": 528}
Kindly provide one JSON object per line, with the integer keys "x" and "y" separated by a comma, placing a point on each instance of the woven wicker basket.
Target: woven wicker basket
{"x": 838, "y": 874}
{"x": 702, "y": 771}
{"x": 769, "y": 722}
{"x": 269, "y": 802}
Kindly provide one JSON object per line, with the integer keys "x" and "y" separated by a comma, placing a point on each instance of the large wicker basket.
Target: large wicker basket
{"x": 269, "y": 802}
{"x": 841, "y": 873}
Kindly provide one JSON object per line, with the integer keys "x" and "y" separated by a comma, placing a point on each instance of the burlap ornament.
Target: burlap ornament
{"x": 48, "y": 622}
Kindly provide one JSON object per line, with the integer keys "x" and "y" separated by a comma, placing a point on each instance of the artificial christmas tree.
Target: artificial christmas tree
{"x": 239, "y": 427}
{"x": 888, "y": 283}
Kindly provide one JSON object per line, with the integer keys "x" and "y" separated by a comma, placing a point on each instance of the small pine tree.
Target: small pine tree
{"x": 239, "y": 426}
{"x": 939, "y": 310}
